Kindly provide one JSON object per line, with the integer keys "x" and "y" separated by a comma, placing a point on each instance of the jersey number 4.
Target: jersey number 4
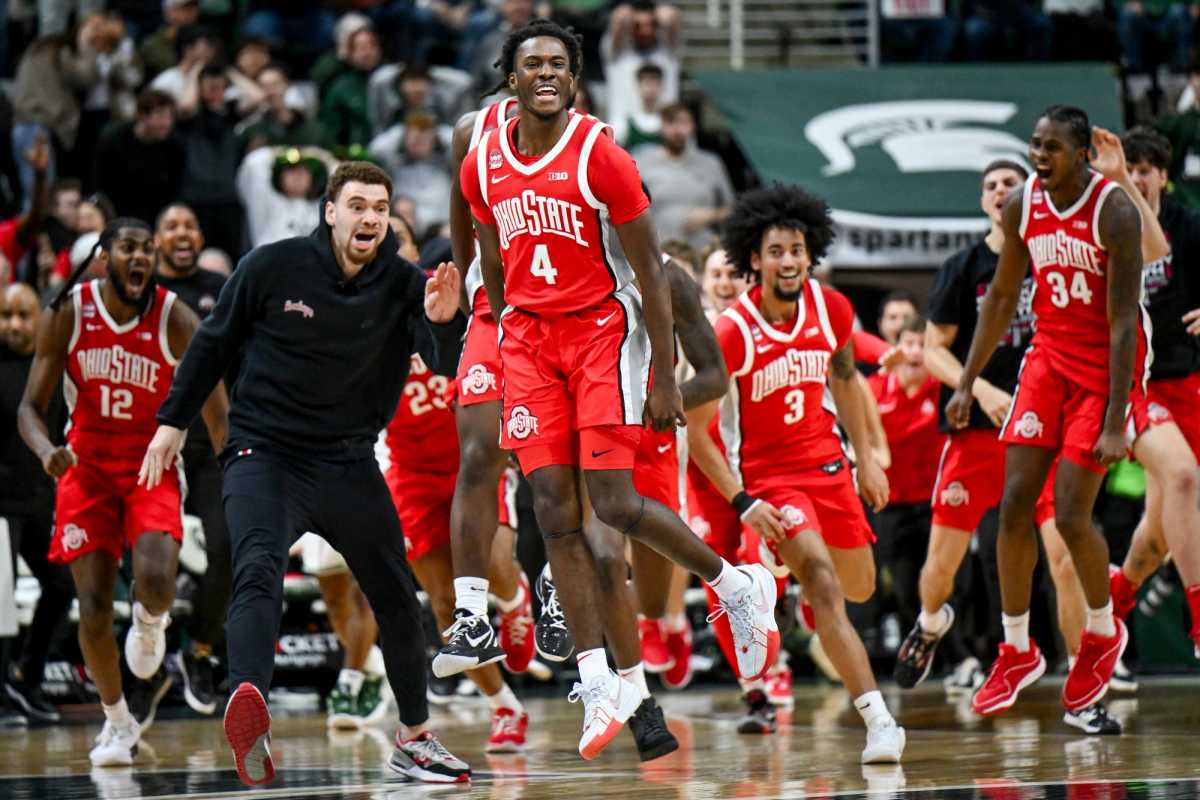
{"x": 1060, "y": 296}
{"x": 541, "y": 265}
{"x": 115, "y": 403}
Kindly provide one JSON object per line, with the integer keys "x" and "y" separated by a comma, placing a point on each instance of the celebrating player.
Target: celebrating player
{"x": 117, "y": 342}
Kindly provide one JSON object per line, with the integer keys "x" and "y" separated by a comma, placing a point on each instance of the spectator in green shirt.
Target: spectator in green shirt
{"x": 344, "y": 114}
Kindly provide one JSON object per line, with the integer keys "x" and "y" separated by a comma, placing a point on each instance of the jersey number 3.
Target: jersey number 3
{"x": 1058, "y": 289}
{"x": 795, "y": 401}
{"x": 541, "y": 265}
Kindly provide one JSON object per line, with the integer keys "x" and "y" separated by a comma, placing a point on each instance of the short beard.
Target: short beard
{"x": 788, "y": 297}
{"x": 182, "y": 270}
{"x": 142, "y": 304}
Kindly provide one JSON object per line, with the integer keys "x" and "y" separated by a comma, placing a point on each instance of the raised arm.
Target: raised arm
{"x": 1110, "y": 162}
{"x": 181, "y": 326}
{"x": 698, "y": 341}
{"x": 53, "y": 336}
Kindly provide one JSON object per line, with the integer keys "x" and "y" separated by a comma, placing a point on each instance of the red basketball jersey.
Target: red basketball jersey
{"x": 488, "y": 119}
{"x": 774, "y": 420}
{"x": 553, "y": 212}
{"x": 116, "y": 376}
{"x": 1070, "y": 266}
{"x": 421, "y": 436}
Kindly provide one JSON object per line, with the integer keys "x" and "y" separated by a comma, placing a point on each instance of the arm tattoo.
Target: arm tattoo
{"x": 842, "y": 365}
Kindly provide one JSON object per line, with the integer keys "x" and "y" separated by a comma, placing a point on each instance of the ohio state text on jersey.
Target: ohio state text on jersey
{"x": 116, "y": 375}
{"x": 1070, "y": 265}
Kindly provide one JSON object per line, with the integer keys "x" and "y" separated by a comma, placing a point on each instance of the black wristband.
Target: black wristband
{"x": 742, "y": 502}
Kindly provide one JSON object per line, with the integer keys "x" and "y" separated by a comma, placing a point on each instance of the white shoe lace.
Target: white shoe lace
{"x": 505, "y": 724}
{"x": 592, "y": 695}
{"x": 429, "y": 748}
{"x": 147, "y": 633}
{"x": 740, "y": 611}
{"x": 553, "y": 611}
{"x": 109, "y": 734}
{"x": 460, "y": 625}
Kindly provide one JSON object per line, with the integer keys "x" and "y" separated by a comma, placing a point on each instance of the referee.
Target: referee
{"x": 327, "y": 323}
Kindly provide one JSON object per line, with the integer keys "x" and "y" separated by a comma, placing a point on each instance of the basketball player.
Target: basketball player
{"x": 117, "y": 342}
{"x": 543, "y": 188}
{"x": 178, "y": 239}
{"x": 314, "y": 316}
{"x": 1082, "y": 372}
{"x": 784, "y": 471}
{"x": 1170, "y": 445}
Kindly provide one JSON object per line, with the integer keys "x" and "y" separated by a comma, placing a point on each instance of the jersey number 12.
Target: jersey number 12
{"x": 115, "y": 403}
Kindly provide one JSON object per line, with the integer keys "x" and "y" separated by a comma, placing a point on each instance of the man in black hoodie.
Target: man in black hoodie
{"x": 327, "y": 324}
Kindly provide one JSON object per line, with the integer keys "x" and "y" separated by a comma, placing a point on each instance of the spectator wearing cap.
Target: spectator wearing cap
{"x": 419, "y": 168}
{"x": 157, "y": 50}
{"x": 691, "y": 189}
{"x": 140, "y": 164}
{"x": 640, "y": 33}
{"x": 344, "y": 114}
{"x": 281, "y": 191}
{"x": 281, "y": 118}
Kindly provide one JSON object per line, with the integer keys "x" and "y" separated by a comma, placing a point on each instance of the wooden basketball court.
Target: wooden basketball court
{"x": 1026, "y": 753}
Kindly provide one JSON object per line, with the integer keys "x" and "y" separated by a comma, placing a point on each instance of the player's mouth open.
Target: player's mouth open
{"x": 546, "y": 91}
{"x": 137, "y": 277}
{"x": 364, "y": 238}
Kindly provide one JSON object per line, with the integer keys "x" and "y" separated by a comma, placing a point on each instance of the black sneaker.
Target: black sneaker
{"x": 1123, "y": 678}
{"x": 144, "y": 696}
{"x": 440, "y": 691}
{"x": 760, "y": 714}
{"x": 31, "y": 702}
{"x": 426, "y": 759}
{"x": 10, "y": 715}
{"x": 550, "y": 633}
{"x": 915, "y": 658}
{"x": 649, "y": 730}
{"x": 471, "y": 643}
{"x": 197, "y": 674}
{"x": 1093, "y": 720}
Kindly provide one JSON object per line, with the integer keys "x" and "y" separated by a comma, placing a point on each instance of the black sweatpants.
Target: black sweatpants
{"x": 270, "y": 499}
{"x": 203, "y": 474}
{"x": 30, "y": 535}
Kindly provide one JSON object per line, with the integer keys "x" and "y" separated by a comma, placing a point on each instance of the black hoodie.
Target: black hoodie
{"x": 325, "y": 358}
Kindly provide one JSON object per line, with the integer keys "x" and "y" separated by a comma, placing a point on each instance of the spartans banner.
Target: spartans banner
{"x": 897, "y": 152}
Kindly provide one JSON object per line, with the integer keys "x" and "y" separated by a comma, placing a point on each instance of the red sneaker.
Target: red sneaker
{"x": 516, "y": 632}
{"x": 1011, "y": 673}
{"x": 508, "y": 731}
{"x": 655, "y": 656}
{"x": 248, "y": 730}
{"x": 679, "y": 645}
{"x": 1088, "y": 680}
{"x": 1124, "y": 593}
{"x": 779, "y": 685}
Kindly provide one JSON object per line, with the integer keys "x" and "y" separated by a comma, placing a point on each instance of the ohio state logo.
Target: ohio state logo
{"x": 73, "y": 536}
{"x": 793, "y": 516}
{"x": 494, "y": 161}
{"x": 521, "y": 424}
{"x": 479, "y": 379}
{"x": 1029, "y": 426}
{"x": 955, "y": 495}
{"x": 1157, "y": 413}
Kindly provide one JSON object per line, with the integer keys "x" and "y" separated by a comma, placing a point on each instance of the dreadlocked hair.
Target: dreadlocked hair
{"x": 539, "y": 27}
{"x": 779, "y": 206}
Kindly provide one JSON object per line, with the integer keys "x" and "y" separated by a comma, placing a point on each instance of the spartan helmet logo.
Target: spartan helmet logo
{"x": 919, "y": 135}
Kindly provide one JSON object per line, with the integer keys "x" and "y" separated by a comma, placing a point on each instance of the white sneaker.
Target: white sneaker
{"x": 965, "y": 679}
{"x": 116, "y": 745}
{"x": 146, "y": 644}
{"x": 607, "y": 703}
{"x": 751, "y": 615}
{"x": 885, "y": 744}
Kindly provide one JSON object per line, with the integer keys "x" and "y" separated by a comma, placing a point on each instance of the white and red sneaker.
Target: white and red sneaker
{"x": 1011, "y": 673}
{"x": 655, "y": 656}
{"x": 607, "y": 703}
{"x": 516, "y": 632}
{"x": 779, "y": 685}
{"x": 1088, "y": 679}
{"x": 508, "y": 731}
{"x": 248, "y": 731}
{"x": 751, "y": 614}
{"x": 679, "y": 645}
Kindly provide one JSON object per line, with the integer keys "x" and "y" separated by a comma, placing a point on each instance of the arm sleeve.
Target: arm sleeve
{"x": 439, "y": 344}
{"x": 945, "y": 298}
{"x": 468, "y": 181}
{"x": 218, "y": 339}
{"x": 615, "y": 181}
{"x": 733, "y": 344}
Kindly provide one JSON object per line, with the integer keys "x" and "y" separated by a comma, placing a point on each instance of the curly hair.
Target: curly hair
{"x": 539, "y": 27}
{"x": 778, "y": 206}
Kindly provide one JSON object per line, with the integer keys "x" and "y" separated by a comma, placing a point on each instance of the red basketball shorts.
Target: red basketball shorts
{"x": 815, "y": 500}
{"x": 656, "y": 472}
{"x": 970, "y": 481}
{"x": 575, "y": 385}
{"x": 1180, "y": 399}
{"x": 478, "y": 379}
{"x": 1050, "y": 410}
{"x": 423, "y": 504}
{"x": 99, "y": 506}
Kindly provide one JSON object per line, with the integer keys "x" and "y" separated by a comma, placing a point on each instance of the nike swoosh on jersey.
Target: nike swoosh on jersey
{"x": 497, "y": 178}
{"x": 600, "y": 322}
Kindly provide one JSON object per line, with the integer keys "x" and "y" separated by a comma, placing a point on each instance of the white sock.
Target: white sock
{"x": 505, "y": 698}
{"x": 729, "y": 581}
{"x": 143, "y": 616}
{"x": 1100, "y": 621}
{"x": 637, "y": 676}
{"x": 1016, "y": 631}
{"x": 936, "y": 623}
{"x": 471, "y": 594}
{"x": 749, "y": 686}
{"x": 374, "y": 664}
{"x": 873, "y": 710}
{"x": 352, "y": 679}
{"x": 675, "y": 623}
{"x": 512, "y": 604}
{"x": 593, "y": 664}
{"x": 118, "y": 712}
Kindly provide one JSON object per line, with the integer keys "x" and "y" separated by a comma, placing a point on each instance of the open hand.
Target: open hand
{"x": 160, "y": 455}
{"x": 441, "y": 293}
